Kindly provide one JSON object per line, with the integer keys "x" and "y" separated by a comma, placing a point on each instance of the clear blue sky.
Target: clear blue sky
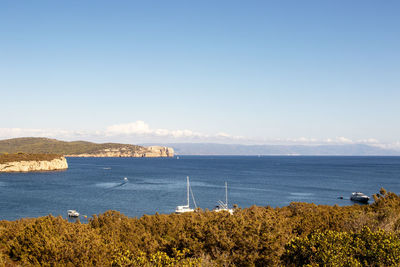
{"x": 258, "y": 69}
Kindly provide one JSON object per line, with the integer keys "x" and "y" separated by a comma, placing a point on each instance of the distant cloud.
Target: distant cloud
{"x": 140, "y": 132}
{"x": 394, "y": 146}
{"x": 300, "y": 140}
{"x": 369, "y": 141}
{"x": 339, "y": 140}
{"x": 142, "y": 128}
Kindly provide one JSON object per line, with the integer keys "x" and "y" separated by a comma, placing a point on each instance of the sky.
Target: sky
{"x": 248, "y": 72}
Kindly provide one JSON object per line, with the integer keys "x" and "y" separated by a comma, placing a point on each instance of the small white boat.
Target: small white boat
{"x": 185, "y": 208}
{"x": 359, "y": 197}
{"x": 224, "y": 206}
{"x": 73, "y": 213}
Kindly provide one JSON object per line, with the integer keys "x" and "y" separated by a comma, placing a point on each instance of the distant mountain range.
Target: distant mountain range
{"x": 325, "y": 150}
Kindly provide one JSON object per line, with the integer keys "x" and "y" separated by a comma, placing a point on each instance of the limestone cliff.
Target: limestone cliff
{"x": 34, "y": 165}
{"x": 142, "y": 152}
{"x": 159, "y": 151}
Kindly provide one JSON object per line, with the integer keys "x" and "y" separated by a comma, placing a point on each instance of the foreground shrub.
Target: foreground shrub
{"x": 127, "y": 258}
{"x": 54, "y": 241}
{"x": 332, "y": 248}
{"x": 256, "y": 236}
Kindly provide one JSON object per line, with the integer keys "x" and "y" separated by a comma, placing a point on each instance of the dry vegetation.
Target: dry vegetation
{"x": 5, "y": 158}
{"x": 299, "y": 234}
{"x": 53, "y": 146}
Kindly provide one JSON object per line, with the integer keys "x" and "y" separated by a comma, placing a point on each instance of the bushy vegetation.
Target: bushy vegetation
{"x": 4, "y": 158}
{"x": 53, "y": 146}
{"x": 299, "y": 234}
{"x": 332, "y": 248}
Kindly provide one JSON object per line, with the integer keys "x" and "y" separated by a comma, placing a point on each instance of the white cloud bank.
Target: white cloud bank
{"x": 134, "y": 132}
{"x": 141, "y": 132}
{"x": 142, "y": 128}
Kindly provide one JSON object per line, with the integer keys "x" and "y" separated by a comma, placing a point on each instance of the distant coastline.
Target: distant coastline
{"x": 39, "y": 145}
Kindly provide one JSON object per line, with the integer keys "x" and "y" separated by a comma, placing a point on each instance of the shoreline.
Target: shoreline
{"x": 15, "y": 163}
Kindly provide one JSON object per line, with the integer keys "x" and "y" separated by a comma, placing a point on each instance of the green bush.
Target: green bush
{"x": 332, "y": 248}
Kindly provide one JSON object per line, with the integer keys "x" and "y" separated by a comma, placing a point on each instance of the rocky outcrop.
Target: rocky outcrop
{"x": 144, "y": 152}
{"x": 35, "y": 165}
{"x": 159, "y": 151}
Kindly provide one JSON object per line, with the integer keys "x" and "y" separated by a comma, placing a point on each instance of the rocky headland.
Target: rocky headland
{"x": 39, "y": 145}
{"x": 142, "y": 152}
{"x": 31, "y": 162}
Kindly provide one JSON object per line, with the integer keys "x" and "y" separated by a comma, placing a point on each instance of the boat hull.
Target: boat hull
{"x": 361, "y": 199}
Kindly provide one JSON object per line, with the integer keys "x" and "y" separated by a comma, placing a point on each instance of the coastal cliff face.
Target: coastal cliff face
{"x": 145, "y": 152}
{"x": 159, "y": 151}
{"x": 34, "y": 165}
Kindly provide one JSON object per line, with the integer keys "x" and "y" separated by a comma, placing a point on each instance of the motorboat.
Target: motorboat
{"x": 186, "y": 208}
{"x": 73, "y": 213}
{"x": 224, "y": 206}
{"x": 359, "y": 197}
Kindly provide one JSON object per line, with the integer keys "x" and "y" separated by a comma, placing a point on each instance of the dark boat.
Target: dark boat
{"x": 359, "y": 197}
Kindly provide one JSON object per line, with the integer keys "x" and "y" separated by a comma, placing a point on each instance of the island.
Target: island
{"x": 39, "y": 145}
{"x": 22, "y": 162}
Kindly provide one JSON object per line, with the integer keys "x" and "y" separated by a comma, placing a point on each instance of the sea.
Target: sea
{"x": 158, "y": 185}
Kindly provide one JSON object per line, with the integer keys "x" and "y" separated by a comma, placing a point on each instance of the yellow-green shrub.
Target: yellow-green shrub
{"x": 332, "y": 248}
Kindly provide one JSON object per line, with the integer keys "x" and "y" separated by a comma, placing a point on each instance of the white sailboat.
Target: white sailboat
{"x": 185, "y": 208}
{"x": 224, "y": 206}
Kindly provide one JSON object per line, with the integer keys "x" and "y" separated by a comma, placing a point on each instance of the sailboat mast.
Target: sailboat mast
{"x": 226, "y": 194}
{"x": 187, "y": 178}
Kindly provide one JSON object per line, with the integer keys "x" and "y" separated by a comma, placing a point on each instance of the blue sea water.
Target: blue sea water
{"x": 95, "y": 185}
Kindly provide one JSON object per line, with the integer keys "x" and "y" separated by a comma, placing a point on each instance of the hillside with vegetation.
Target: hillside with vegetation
{"x": 39, "y": 145}
{"x": 296, "y": 235}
